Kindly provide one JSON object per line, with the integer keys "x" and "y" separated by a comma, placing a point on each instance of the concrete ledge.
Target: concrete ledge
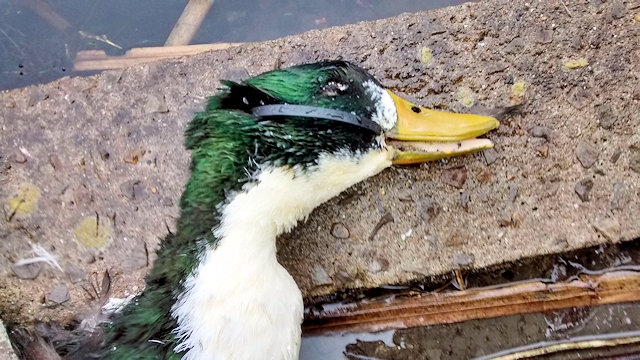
{"x": 105, "y": 153}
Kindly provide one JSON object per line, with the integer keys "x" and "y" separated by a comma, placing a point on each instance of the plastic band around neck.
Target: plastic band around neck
{"x": 315, "y": 112}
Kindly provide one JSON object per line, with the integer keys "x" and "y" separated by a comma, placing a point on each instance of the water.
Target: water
{"x": 39, "y": 38}
{"x": 322, "y": 347}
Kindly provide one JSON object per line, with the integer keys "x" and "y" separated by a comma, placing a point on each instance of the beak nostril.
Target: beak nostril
{"x": 415, "y": 109}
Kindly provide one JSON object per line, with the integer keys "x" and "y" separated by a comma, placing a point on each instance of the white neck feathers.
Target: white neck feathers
{"x": 240, "y": 303}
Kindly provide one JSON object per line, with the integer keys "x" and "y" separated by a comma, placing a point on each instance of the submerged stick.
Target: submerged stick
{"x": 87, "y": 60}
{"x": 46, "y": 12}
{"x": 189, "y": 22}
{"x": 479, "y": 303}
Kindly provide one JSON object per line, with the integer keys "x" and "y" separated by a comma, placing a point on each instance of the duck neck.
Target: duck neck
{"x": 238, "y": 290}
{"x": 221, "y": 262}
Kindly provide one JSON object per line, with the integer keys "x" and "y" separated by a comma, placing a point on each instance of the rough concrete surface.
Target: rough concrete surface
{"x": 92, "y": 168}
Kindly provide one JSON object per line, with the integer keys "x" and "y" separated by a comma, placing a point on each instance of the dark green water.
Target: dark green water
{"x": 36, "y": 46}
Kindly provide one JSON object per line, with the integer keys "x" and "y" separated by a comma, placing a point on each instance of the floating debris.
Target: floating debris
{"x": 100, "y": 38}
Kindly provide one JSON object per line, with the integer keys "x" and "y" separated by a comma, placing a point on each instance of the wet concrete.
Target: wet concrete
{"x": 105, "y": 153}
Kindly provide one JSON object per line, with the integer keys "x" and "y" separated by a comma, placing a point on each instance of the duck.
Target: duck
{"x": 265, "y": 152}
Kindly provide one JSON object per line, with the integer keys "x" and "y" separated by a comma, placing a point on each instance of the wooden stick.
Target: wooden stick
{"x": 189, "y": 22}
{"x": 98, "y": 60}
{"x": 444, "y": 308}
{"x": 45, "y": 11}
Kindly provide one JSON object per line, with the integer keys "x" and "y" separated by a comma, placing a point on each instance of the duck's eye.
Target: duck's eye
{"x": 415, "y": 109}
{"x": 334, "y": 88}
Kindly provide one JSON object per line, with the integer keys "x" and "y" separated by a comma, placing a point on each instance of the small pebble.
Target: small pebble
{"x": 428, "y": 209}
{"x": 406, "y": 234}
{"x": 59, "y": 295}
{"x": 26, "y": 271}
{"x": 155, "y": 104}
{"x": 634, "y": 162}
{"x": 618, "y": 198}
{"x": 75, "y": 274}
{"x": 505, "y": 219}
{"x": 46, "y": 169}
{"x": 490, "y": 156}
{"x": 609, "y": 228}
{"x": 587, "y": 154}
{"x": 455, "y": 177}
{"x": 377, "y": 265}
{"x": 406, "y": 195}
{"x": 166, "y": 201}
{"x": 17, "y": 157}
{"x": 134, "y": 156}
{"x": 54, "y": 160}
{"x": 541, "y": 132}
{"x": 104, "y": 154}
{"x": 543, "y": 150}
{"x": 133, "y": 190}
{"x": 484, "y": 176}
{"x": 513, "y": 192}
{"x": 618, "y": 10}
{"x": 344, "y": 277}
{"x": 35, "y": 96}
{"x": 583, "y": 188}
{"x": 579, "y": 97}
{"x": 544, "y": 36}
{"x": 340, "y": 231}
{"x": 465, "y": 197}
{"x": 615, "y": 156}
{"x": 462, "y": 260}
{"x": 320, "y": 276}
{"x": 606, "y": 116}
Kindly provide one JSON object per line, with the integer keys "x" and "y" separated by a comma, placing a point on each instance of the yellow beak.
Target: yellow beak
{"x": 422, "y": 134}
